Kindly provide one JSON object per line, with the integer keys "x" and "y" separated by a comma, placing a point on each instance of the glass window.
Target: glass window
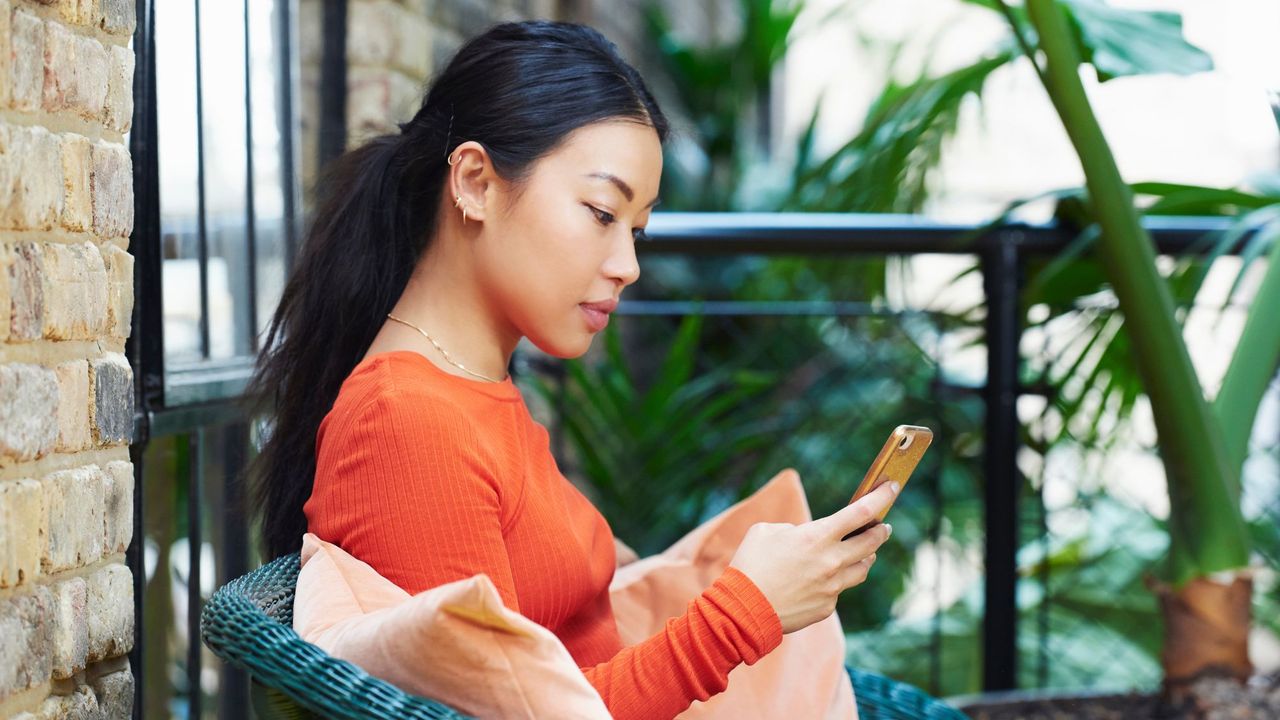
{"x": 269, "y": 90}
{"x": 178, "y": 156}
{"x": 224, "y": 125}
{"x": 225, "y": 160}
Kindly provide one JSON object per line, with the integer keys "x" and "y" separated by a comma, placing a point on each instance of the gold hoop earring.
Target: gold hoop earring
{"x": 464, "y": 216}
{"x": 453, "y": 160}
{"x": 457, "y": 201}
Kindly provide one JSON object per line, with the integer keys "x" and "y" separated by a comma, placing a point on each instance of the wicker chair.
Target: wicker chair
{"x": 249, "y": 623}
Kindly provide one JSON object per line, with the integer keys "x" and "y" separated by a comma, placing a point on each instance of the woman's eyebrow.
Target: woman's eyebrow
{"x": 621, "y": 185}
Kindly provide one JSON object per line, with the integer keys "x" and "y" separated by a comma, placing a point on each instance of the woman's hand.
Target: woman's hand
{"x": 625, "y": 554}
{"x": 802, "y": 569}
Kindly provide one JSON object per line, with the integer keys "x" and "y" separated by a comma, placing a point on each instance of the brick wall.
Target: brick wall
{"x": 388, "y": 58}
{"x": 393, "y": 48}
{"x": 66, "y": 397}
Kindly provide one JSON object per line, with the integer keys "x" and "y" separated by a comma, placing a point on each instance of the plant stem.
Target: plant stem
{"x": 1207, "y": 532}
{"x": 1252, "y": 365}
{"x": 1022, "y": 41}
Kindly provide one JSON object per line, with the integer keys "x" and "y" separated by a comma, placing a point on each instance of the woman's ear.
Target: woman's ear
{"x": 472, "y": 180}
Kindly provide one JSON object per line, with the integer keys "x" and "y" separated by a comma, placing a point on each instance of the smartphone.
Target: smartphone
{"x": 896, "y": 461}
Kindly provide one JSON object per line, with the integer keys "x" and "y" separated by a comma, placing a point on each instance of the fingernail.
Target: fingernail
{"x": 895, "y": 487}
{"x": 888, "y": 528}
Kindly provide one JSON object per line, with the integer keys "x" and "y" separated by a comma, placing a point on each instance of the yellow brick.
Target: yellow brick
{"x": 119, "y": 265}
{"x": 5, "y": 302}
{"x": 75, "y": 292}
{"x": 77, "y": 167}
{"x": 73, "y": 405}
{"x": 21, "y": 537}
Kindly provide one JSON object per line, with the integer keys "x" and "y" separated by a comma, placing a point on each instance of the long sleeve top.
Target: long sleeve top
{"x": 431, "y": 477}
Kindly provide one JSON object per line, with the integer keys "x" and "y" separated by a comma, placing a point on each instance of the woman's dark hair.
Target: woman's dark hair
{"x": 518, "y": 89}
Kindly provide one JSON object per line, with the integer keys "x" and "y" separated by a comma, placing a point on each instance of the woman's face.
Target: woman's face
{"x": 565, "y": 239}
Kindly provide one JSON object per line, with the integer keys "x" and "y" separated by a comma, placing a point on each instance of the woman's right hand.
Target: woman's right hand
{"x": 802, "y": 569}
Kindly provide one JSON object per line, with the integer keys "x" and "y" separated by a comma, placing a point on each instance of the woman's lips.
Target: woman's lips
{"x": 596, "y": 319}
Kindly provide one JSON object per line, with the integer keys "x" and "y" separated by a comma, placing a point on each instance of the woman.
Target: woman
{"x": 508, "y": 207}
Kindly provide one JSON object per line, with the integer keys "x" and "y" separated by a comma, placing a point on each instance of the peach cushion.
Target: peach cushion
{"x": 456, "y": 643}
{"x": 804, "y": 677}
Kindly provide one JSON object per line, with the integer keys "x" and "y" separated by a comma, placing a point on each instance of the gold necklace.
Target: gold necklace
{"x": 443, "y": 352}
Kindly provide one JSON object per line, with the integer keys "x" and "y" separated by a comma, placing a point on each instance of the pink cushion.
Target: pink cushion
{"x": 456, "y": 643}
{"x": 804, "y": 677}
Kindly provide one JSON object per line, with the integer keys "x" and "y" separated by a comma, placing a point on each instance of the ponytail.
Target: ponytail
{"x": 364, "y": 242}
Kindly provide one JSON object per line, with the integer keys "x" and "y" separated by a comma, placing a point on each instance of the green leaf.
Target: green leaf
{"x": 677, "y": 367}
{"x": 886, "y": 166}
{"x": 1255, "y": 222}
{"x": 1120, "y": 42}
{"x": 1257, "y": 246}
{"x": 1068, "y": 276}
{"x": 1181, "y": 199}
{"x": 1267, "y": 182}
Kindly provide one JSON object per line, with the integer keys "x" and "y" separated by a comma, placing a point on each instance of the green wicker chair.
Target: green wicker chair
{"x": 249, "y": 623}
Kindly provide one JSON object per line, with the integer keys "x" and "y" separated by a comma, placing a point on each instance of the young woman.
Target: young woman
{"x": 508, "y": 207}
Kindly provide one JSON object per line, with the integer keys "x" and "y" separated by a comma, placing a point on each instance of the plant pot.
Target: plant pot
{"x": 1206, "y": 632}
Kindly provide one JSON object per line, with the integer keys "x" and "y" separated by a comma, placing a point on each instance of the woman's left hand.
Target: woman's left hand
{"x": 626, "y": 555}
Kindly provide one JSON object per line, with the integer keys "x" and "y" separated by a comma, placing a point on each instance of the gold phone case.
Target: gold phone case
{"x": 897, "y": 459}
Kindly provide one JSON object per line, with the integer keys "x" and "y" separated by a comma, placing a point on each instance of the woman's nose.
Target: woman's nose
{"x": 622, "y": 264}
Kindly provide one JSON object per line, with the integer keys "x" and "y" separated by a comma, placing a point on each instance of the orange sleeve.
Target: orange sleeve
{"x": 730, "y": 623}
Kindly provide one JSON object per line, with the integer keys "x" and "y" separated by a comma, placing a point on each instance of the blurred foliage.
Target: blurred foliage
{"x": 648, "y": 453}
{"x": 1115, "y": 41}
{"x": 1092, "y": 624}
{"x": 886, "y": 166}
{"x": 722, "y": 89}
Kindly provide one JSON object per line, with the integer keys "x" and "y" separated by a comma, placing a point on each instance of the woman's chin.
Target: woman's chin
{"x": 564, "y": 348}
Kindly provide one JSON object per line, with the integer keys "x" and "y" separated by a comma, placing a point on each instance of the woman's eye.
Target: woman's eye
{"x": 604, "y": 218}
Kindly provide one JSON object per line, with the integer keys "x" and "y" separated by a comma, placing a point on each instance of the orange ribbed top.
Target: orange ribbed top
{"x": 430, "y": 477}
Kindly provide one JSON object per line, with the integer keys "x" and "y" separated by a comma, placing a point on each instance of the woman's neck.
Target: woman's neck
{"x": 443, "y": 299}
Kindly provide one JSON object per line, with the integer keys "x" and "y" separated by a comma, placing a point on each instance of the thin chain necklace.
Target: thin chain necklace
{"x": 443, "y": 352}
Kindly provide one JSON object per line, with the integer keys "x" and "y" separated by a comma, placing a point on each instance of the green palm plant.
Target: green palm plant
{"x": 1203, "y": 443}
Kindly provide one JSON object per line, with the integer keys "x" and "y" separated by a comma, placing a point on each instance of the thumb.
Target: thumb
{"x": 863, "y": 512}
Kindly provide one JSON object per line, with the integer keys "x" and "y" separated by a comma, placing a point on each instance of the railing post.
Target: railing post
{"x": 147, "y": 319}
{"x": 233, "y": 682}
{"x": 332, "y": 131}
{"x": 1001, "y": 267}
